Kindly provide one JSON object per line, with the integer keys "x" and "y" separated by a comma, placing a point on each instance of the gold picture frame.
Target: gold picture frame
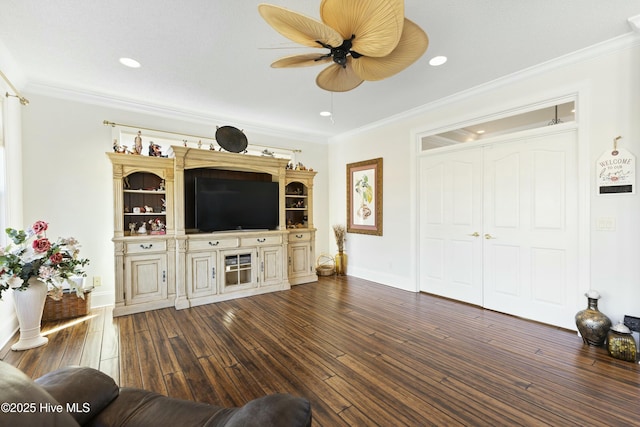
{"x": 364, "y": 197}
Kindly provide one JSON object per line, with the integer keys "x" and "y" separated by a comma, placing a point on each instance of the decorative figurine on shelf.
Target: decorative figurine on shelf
{"x": 132, "y": 228}
{"x": 212, "y": 147}
{"x": 116, "y": 147}
{"x": 199, "y": 143}
{"x": 164, "y": 205}
{"x": 148, "y": 208}
{"x": 138, "y": 143}
{"x": 142, "y": 229}
{"x": 157, "y": 226}
{"x": 161, "y": 186}
{"x": 154, "y": 150}
{"x": 184, "y": 142}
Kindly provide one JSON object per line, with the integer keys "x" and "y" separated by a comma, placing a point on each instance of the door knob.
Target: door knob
{"x": 474, "y": 234}
{"x": 488, "y": 236}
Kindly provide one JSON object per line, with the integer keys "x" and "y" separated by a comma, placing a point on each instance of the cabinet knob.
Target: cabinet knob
{"x": 299, "y": 236}
{"x": 488, "y": 236}
{"x": 262, "y": 240}
{"x": 213, "y": 272}
{"x": 474, "y": 234}
{"x": 214, "y": 244}
{"x": 149, "y": 246}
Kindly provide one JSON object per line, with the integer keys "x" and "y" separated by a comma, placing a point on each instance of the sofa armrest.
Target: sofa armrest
{"x": 26, "y": 404}
{"x": 83, "y": 391}
{"x": 142, "y": 408}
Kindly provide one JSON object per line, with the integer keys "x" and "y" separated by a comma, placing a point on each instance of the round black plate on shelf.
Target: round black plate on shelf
{"x": 231, "y": 139}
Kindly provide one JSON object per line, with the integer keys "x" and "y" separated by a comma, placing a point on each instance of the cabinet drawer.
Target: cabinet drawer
{"x": 213, "y": 243}
{"x": 146, "y": 246}
{"x": 297, "y": 236}
{"x": 261, "y": 240}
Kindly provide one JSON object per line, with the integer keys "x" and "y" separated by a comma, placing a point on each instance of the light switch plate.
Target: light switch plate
{"x": 606, "y": 224}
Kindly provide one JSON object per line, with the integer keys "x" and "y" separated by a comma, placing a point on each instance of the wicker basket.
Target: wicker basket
{"x": 70, "y": 305}
{"x": 325, "y": 265}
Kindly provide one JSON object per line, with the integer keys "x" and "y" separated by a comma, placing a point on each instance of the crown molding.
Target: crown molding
{"x": 634, "y": 23}
{"x": 626, "y": 41}
{"x": 191, "y": 116}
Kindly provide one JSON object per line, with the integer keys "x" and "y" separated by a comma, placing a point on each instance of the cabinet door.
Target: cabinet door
{"x": 299, "y": 263}
{"x": 145, "y": 278}
{"x": 240, "y": 270}
{"x": 270, "y": 265}
{"x": 201, "y": 274}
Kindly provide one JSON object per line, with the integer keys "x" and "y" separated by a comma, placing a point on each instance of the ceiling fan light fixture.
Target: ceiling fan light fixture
{"x": 436, "y": 61}
{"x": 366, "y": 40}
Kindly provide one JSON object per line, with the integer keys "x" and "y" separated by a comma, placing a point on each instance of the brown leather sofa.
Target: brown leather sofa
{"x": 81, "y": 396}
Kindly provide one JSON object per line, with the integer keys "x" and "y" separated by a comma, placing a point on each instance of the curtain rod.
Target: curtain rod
{"x": 23, "y": 100}
{"x": 113, "y": 124}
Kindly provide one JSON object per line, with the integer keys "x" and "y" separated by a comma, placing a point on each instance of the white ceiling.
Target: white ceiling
{"x": 212, "y": 57}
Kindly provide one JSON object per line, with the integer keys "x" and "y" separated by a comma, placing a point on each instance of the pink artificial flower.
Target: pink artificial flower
{"x": 56, "y": 258}
{"x": 41, "y": 245}
{"x": 46, "y": 272}
{"x": 40, "y": 227}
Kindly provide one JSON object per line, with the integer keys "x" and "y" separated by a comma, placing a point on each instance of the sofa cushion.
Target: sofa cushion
{"x": 25, "y": 403}
{"x": 84, "y": 391}
{"x": 141, "y": 408}
{"x": 282, "y": 410}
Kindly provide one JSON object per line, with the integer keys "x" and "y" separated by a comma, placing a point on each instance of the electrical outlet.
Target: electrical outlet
{"x": 97, "y": 281}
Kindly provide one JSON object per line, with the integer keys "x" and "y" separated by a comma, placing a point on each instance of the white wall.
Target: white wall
{"x": 607, "y": 81}
{"x": 68, "y": 177}
{"x": 12, "y": 202}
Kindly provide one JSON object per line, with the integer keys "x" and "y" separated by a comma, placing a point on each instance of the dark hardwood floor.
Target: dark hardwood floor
{"x": 363, "y": 354}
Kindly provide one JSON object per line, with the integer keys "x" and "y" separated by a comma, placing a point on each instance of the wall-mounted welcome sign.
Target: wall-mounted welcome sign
{"x": 616, "y": 171}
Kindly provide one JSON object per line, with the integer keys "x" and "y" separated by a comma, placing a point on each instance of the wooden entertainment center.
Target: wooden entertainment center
{"x": 169, "y": 263}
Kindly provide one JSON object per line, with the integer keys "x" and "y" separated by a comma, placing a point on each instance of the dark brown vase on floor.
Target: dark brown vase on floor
{"x": 592, "y": 323}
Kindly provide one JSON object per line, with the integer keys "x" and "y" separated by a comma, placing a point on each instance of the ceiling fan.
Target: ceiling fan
{"x": 367, "y": 40}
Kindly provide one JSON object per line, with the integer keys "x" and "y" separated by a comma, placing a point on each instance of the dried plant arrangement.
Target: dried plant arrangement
{"x": 340, "y": 232}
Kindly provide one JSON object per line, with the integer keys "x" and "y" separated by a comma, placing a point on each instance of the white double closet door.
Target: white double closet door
{"x": 499, "y": 226}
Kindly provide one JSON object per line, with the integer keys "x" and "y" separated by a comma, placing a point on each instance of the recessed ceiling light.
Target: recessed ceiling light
{"x": 325, "y": 113}
{"x": 437, "y": 60}
{"x": 480, "y": 132}
{"x": 128, "y": 62}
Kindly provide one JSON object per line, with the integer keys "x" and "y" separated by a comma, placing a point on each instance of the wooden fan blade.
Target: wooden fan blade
{"x": 412, "y": 45}
{"x": 306, "y": 60}
{"x": 299, "y": 28}
{"x": 335, "y": 78}
{"x": 376, "y": 24}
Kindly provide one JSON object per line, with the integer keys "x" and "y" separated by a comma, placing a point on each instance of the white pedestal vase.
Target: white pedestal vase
{"x": 29, "y": 306}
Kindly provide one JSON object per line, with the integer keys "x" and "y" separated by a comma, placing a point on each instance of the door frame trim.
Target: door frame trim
{"x": 580, "y": 96}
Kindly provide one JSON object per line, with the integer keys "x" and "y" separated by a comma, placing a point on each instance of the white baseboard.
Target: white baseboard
{"x": 399, "y": 282}
{"x": 8, "y": 329}
{"x": 101, "y": 299}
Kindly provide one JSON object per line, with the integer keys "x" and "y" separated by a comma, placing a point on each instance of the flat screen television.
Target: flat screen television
{"x": 228, "y": 204}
